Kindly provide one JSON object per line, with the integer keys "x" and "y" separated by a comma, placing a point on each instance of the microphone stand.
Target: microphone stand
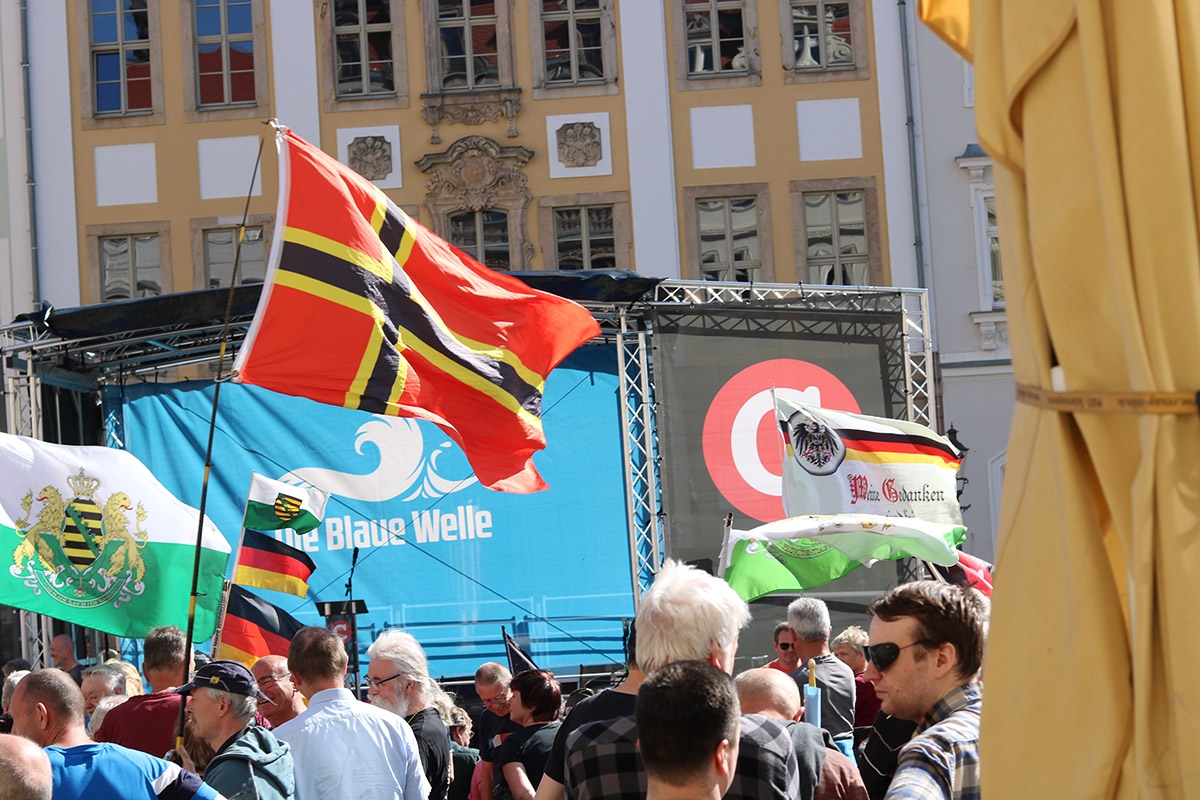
{"x": 353, "y": 624}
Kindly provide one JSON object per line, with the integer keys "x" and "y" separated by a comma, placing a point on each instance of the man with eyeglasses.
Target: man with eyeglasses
{"x": 344, "y": 749}
{"x": 926, "y": 651}
{"x": 786, "y": 659}
{"x": 283, "y": 702}
{"x": 492, "y": 685}
{"x": 398, "y": 680}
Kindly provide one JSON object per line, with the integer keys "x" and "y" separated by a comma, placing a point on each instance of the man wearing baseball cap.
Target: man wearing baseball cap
{"x": 249, "y": 760}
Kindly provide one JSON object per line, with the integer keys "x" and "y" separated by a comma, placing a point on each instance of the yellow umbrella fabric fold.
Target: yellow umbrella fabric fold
{"x": 1091, "y": 111}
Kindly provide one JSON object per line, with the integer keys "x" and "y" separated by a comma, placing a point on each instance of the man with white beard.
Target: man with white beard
{"x": 398, "y": 681}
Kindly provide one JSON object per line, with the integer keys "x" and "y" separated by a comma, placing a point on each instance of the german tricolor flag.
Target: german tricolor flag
{"x": 909, "y": 447}
{"x": 267, "y": 563}
{"x": 254, "y": 628}
{"x": 365, "y": 308}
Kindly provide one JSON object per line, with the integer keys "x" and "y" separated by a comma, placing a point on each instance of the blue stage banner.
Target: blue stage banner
{"x": 439, "y": 556}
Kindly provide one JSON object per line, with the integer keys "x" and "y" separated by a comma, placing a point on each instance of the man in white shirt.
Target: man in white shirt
{"x": 344, "y": 749}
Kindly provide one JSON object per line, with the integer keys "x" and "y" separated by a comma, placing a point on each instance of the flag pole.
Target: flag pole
{"x": 221, "y": 609}
{"x": 212, "y": 428}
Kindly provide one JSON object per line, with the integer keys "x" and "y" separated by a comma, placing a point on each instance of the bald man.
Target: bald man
{"x": 47, "y": 709}
{"x": 284, "y": 702}
{"x": 825, "y": 773}
{"x": 62, "y": 650}
{"x": 24, "y": 770}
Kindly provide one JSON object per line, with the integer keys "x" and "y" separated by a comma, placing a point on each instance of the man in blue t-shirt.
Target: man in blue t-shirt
{"x": 47, "y": 709}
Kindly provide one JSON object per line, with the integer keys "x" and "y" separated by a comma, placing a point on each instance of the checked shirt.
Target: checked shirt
{"x": 603, "y": 762}
{"x": 942, "y": 760}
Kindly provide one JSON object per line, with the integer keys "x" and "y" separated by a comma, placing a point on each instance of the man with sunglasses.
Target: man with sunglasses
{"x": 926, "y": 651}
{"x": 786, "y": 659}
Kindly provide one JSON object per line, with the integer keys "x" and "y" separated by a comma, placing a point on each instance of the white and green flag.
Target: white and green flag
{"x": 88, "y": 535}
{"x": 273, "y": 506}
{"x": 805, "y": 552}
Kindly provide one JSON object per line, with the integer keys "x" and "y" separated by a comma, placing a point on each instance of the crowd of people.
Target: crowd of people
{"x": 899, "y": 715}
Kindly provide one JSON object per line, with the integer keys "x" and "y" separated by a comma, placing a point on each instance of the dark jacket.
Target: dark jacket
{"x": 254, "y": 765}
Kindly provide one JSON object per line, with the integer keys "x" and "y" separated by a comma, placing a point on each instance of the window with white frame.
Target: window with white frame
{"x": 573, "y": 41}
{"x": 224, "y": 52}
{"x": 822, "y": 37}
{"x": 120, "y": 57}
{"x": 221, "y": 251}
{"x": 993, "y": 275}
{"x": 823, "y": 40}
{"x": 130, "y": 266}
{"x": 469, "y": 40}
{"x": 483, "y": 235}
{"x": 835, "y": 231}
{"x": 729, "y": 239}
{"x": 715, "y": 37}
{"x": 585, "y": 237}
{"x": 364, "y": 62}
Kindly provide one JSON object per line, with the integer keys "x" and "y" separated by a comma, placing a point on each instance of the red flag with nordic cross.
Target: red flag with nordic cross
{"x": 365, "y": 308}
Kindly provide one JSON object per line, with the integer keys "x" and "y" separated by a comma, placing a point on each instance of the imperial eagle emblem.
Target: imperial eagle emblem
{"x": 817, "y": 447}
{"x": 82, "y": 551}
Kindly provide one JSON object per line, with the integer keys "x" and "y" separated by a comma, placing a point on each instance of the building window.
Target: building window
{"x": 823, "y": 40}
{"x": 483, "y": 235}
{"x": 120, "y": 61}
{"x": 729, "y": 233}
{"x": 225, "y": 75}
{"x": 469, "y": 40}
{"x": 835, "y": 229}
{"x": 584, "y": 238}
{"x": 837, "y": 232}
{"x": 585, "y": 231}
{"x": 220, "y": 249}
{"x": 821, "y": 35}
{"x": 573, "y": 51}
{"x": 716, "y": 44}
{"x": 729, "y": 249}
{"x": 362, "y": 32}
{"x": 991, "y": 239}
{"x": 224, "y": 52}
{"x": 716, "y": 37}
{"x": 129, "y": 267}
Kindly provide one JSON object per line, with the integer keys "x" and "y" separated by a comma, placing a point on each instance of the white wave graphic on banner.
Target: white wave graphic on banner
{"x": 403, "y": 466}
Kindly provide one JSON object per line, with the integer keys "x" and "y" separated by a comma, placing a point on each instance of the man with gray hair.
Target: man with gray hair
{"x": 248, "y": 761}
{"x": 686, "y": 615}
{"x": 24, "y": 770}
{"x": 99, "y": 682}
{"x": 808, "y": 618}
{"x": 398, "y": 680}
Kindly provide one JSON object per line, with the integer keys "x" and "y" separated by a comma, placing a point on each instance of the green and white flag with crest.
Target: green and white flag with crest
{"x": 88, "y": 535}
{"x": 273, "y": 506}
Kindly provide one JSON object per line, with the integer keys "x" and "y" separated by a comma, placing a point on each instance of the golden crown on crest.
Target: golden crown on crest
{"x": 83, "y": 485}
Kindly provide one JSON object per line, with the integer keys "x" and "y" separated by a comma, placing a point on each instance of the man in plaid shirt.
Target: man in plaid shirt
{"x": 687, "y": 615}
{"x": 926, "y": 650}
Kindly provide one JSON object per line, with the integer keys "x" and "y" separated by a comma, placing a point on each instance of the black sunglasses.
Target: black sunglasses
{"x": 884, "y": 654}
{"x": 784, "y": 645}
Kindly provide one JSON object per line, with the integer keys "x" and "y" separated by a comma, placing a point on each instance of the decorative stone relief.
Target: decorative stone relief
{"x": 579, "y": 144}
{"x": 473, "y": 108}
{"x": 993, "y": 330}
{"x": 476, "y": 173}
{"x": 371, "y": 157}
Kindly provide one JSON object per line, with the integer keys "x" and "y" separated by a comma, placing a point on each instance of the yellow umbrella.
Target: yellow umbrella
{"x": 1091, "y": 112}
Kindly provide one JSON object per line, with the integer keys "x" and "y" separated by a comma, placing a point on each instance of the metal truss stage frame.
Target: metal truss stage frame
{"x": 33, "y": 358}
